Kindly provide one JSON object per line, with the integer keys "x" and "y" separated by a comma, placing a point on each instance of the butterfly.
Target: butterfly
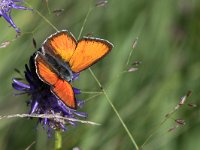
{"x": 61, "y": 57}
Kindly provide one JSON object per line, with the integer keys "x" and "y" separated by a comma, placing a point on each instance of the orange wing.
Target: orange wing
{"x": 59, "y": 87}
{"x": 44, "y": 70}
{"x": 61, "y": 45}
{"x": 88, "y": 51}
{"x": 63, "y": 90}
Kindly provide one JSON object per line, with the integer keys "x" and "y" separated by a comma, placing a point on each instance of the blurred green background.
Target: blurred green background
{"x": 168, "y": 32}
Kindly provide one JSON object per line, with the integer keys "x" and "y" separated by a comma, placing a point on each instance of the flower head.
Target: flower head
{"x": 43, "y": 101}
{"x": 5, "y": 11}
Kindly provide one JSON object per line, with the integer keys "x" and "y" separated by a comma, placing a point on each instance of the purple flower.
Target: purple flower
{"x": 5, "y": 11}
{"x": 43, "y": 101}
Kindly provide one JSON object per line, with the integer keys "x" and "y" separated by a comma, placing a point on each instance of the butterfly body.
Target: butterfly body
{"x": 61, "y": 68}
{"x": 61, "y": 56}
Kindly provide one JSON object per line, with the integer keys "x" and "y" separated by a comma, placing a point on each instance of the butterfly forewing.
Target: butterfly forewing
{"x": 87, "y": 52}
{"x": 60, "y": 45}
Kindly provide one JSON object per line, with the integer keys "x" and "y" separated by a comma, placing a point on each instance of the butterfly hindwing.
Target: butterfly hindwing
{"x": 60, "y": 45}
{"x": 61, "y": 88}
{"x": 87, "y": 52}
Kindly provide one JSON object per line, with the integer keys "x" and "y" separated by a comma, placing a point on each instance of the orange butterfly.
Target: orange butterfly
{"x": 61, "y": 56}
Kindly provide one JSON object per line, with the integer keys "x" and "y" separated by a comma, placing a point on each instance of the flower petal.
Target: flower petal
{"x": 20, "y": 7}
{"x": 20, "y": 86}
{"x": 10, "y": 21}
{"x": 76, "y": 91}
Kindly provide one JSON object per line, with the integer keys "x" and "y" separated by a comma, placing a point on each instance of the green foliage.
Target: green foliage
{"x": 168, "y": 45}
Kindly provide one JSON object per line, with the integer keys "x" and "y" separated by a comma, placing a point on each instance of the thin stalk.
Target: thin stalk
{"x": 156, "y": 129}
{"x": 84, "y": 22}
{"x": 43, "y": 17}
{"x": 90, "y": 98}
{"x": 47, "y": 3}
{"x": 49, "y": 116}
{"x": 115, "y": 110}
{"x": 130, "y": 54}
{"x": 91, "y": 92}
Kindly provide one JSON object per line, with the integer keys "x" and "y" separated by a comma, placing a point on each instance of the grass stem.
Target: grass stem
{"x": 115, "y": 110}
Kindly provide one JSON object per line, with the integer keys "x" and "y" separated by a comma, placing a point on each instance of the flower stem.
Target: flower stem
{"x": 58, "y": 140}
{"x": 115, "y": 110}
